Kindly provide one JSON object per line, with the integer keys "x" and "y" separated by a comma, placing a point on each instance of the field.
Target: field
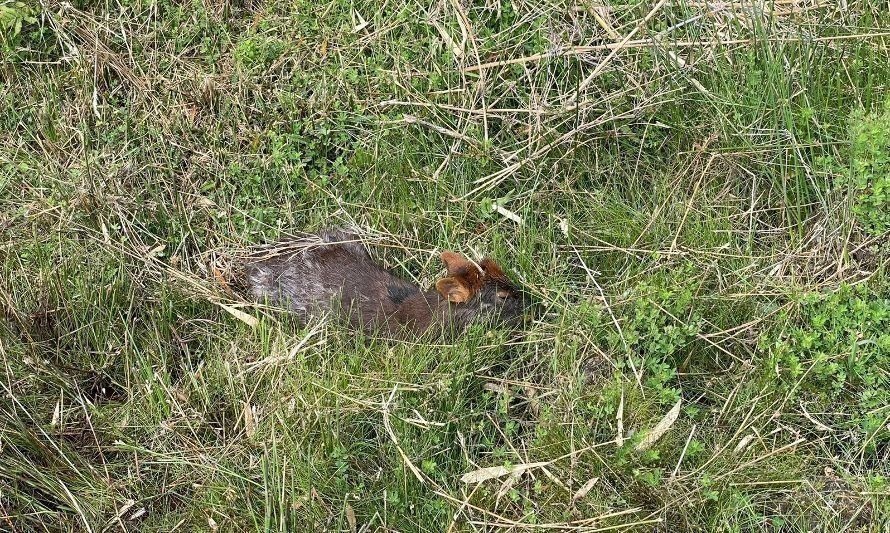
{"x": 697, "y": 192}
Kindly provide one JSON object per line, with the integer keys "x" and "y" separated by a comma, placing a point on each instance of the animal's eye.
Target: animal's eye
{"x": 503, "y": 295}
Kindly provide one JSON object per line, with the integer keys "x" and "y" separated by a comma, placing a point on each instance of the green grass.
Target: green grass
{"x": 704, "y": 219}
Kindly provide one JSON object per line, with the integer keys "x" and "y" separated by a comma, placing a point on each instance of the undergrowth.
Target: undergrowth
{"x": 696, "y": 193}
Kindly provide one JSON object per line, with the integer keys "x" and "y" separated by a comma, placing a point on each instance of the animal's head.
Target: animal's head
{"x": 481, "y": 289}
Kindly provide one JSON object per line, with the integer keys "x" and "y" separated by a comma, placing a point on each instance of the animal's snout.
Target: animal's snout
{"x": 531, "y": 307}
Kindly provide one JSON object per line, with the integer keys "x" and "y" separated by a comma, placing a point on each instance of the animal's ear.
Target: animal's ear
{"x": 455, "y": 263}
{"x": 491, "y": 268}
{"x": 454, "y": 290}
{"x": 464, "y": 278}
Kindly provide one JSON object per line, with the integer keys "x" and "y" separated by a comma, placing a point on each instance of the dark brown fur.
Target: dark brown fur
{"x": 331, "y": 273}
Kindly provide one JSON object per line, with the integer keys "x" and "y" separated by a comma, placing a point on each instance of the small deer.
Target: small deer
{"x": 331, "y": 272}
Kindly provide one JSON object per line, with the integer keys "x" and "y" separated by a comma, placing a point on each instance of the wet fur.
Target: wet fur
{"x": 331, "y": 273}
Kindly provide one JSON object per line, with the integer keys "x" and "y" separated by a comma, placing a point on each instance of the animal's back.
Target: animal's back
{"x": 330, "y": 271}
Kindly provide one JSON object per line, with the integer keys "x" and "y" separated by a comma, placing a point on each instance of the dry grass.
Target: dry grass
{"x": 671, "y": 179}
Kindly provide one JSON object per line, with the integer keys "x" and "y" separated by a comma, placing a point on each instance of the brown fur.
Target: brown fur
{"x": 331, "y": 273}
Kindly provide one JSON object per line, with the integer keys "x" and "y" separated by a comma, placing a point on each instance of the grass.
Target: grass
{"x": 697, "y": 192}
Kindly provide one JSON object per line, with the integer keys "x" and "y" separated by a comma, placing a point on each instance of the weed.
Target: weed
{"x": 258, "y": 52}
{"x": 836, "y": 352}
{"x": 870, "y": 169}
